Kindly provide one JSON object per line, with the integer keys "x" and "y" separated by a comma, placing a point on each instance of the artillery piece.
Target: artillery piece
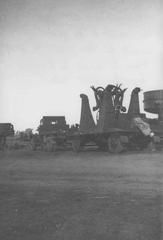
{"x": 115, "y": 129}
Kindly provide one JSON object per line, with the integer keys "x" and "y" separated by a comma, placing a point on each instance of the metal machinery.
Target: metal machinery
{"x": 117, "y": 129}
{"x": 153, "y": 103}
{"x": 6, "y": 129}
{"x": 52, "y": 133}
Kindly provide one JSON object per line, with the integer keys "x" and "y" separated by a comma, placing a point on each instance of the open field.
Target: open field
{"x": 85, "y": 196}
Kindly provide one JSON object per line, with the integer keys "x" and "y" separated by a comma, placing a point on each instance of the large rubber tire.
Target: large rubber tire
{"x": 76, "y": 145}
{"x": 151, "y": 147}
{"x": 50, "y": 147}
{"x": 114, "y": 144}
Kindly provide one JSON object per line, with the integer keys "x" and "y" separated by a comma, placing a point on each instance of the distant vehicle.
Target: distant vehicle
{"x": 6, "y": 129}
{"x": 52, "y": 133}
{"x": 52, "y": 125}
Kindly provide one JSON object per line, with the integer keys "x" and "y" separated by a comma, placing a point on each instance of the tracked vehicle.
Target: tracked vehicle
{"x": 117, "y": 129}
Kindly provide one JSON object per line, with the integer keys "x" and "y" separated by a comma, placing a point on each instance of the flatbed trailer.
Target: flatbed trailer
{"x": 113, "y": 141}
{"x": 116, "y": 130}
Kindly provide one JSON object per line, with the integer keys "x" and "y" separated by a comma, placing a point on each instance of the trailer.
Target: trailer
{"x": 117, "y": 129}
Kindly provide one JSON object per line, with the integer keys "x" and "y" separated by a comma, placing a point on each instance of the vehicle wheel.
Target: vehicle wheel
{"x": 151, "y": 147}
{"x": 33, "y": 147}
{"x": 76, "y": 145}
{"x": 51, "y": 147}
{"x": 54, "y": 147}
{"x": 114, "y": 144}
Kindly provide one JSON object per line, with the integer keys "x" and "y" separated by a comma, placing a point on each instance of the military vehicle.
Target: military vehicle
{"x": 52, "y": 133}
{"x": 116, "y": 128}
{"x": 153, "y": 103}
{"x": 6, "y": 129}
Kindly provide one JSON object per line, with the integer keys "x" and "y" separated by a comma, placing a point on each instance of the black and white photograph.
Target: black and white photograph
{"x": 81, "y": 120}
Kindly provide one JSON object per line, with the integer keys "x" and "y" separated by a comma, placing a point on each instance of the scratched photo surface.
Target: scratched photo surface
{"x": 81, "y": 120}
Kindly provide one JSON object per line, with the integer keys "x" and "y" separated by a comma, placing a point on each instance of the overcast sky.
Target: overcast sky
{"x": 53, "y": 50}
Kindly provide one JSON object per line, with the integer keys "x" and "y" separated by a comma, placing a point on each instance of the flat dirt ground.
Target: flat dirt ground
{"x": 86, "y": 196}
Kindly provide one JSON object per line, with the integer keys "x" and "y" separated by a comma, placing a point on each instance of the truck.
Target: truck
{"x": 52, "y": 133}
